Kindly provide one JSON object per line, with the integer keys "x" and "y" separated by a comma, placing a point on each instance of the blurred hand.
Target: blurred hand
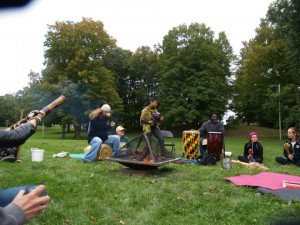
{"x": 112, "y": 123}
{"x": 286, "y": 146}
{"x": 32, "y": 203}
{"x": 107, "y": 114}
{"x": 32, "y": 114}
{"x": 291, "y": 157}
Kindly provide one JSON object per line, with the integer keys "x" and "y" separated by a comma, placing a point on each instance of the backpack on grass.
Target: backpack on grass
{"x": 208, "y": 160}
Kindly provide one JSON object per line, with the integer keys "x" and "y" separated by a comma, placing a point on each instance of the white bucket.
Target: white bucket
{"x": 37, "y": 155}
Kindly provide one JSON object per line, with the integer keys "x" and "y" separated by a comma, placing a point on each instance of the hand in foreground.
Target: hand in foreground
{"x": 112, "y": 123}
{"x": 32, "y": 203}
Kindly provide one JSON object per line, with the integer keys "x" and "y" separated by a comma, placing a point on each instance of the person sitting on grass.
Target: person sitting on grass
{"x": 253, "y": 150}
{"x": 121, "y": 132}
{"x": 291, "y": 149}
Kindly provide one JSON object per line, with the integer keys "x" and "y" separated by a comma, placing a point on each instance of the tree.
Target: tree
{"x": 268, "y": 60}
{"x": 75, "y": 68}
{"x": 193, "y": 74}
{"x": 118, "y": 62}
{"x": 9, "y": 113}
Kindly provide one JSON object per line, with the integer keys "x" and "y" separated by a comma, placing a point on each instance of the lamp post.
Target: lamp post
{"x": 279, "y": 114}
{"x": 279, "y": 111}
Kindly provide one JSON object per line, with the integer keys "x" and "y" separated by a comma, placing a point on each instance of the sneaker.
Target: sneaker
{"x": 9, "y": 158}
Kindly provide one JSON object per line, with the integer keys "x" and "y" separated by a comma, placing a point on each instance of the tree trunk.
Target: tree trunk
{"x": 63, "y": 131}
{"x": 77, "y": 132}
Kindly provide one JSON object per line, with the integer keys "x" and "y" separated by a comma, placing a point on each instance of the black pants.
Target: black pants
{"x": 156, "y": 132}
{"x": 285, "y": 161}
{"x": 246, "y": 160}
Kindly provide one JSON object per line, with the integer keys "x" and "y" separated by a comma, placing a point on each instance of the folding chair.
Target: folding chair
{"x": 169, "y": 140}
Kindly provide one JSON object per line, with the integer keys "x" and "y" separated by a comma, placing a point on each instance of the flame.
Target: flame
{"x": 148, "y": 160}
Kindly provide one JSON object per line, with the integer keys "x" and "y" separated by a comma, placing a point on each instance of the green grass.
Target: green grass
{"x": 98, "y": 193}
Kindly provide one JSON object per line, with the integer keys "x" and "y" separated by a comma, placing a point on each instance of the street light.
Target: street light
{"x": 279, "y": 113}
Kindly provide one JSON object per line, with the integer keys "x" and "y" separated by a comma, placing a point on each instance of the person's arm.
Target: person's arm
{"x": 286, "y": 149}
{"x": 18, "y": 136}
{"x": 202, "y": 129}
{"x": 12, "y": 215}
{"x": 246, "y": 150}
{"x": 24, "y": 207}
{"x": 260, "y": 151}
{"x": 143, "y": 118}
{"x": 221, "y": 128}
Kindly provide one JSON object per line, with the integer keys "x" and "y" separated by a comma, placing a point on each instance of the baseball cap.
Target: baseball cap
{"x": 120, "y": 128}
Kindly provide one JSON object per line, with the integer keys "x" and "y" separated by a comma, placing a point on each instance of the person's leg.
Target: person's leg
{"x": 113, "y": 140}
{"x": 146, "y": 151}
{"x": 243, "y": 159}
{"x": 8, "y": 195}
{"x": 202, "y": 148}
{"x": 282, "y": 160}
{"x": 156, "y": 132}
{"x": 297, "y": 163}
{"x": 258, "y": 159}
{"x": 96, "y": 142}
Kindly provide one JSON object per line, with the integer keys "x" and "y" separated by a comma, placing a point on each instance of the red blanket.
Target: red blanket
{"x": 268, "y": 180}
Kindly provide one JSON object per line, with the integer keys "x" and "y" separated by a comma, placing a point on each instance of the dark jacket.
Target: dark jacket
{"x": 257, "y": 151}
{"x": 98, "y": 127}
{"x": 295, "y": 151}
{"x": 16, "y": 137}
{"x": 211, "y": 127}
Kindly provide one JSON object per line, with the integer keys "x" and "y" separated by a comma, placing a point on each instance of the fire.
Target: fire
{"x": 148, "y": 160}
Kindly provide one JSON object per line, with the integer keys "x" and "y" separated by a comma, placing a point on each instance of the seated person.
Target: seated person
{"x": 121, "y": 132}
{"x": 98, "y": 133}
{"x": 253, "y": 150}
{"x": 212, "y": 125}
{"x": 291, "y": 149}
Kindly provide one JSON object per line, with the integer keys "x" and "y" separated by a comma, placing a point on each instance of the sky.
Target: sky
{"x": 133, "y": 23}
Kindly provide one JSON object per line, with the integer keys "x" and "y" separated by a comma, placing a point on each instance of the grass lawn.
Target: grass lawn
{"x": 98, "y": 193}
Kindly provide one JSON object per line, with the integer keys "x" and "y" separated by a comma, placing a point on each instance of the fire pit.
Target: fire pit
{"x": 140, "y": 154}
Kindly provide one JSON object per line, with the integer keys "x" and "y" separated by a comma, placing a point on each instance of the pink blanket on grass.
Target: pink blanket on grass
{"x": 268, "y": 180}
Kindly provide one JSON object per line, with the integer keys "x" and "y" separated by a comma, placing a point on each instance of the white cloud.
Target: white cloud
{"x": 133, "y": 23}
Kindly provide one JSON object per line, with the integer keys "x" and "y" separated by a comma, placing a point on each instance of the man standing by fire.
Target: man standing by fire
{"x": 150, "y": 119}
